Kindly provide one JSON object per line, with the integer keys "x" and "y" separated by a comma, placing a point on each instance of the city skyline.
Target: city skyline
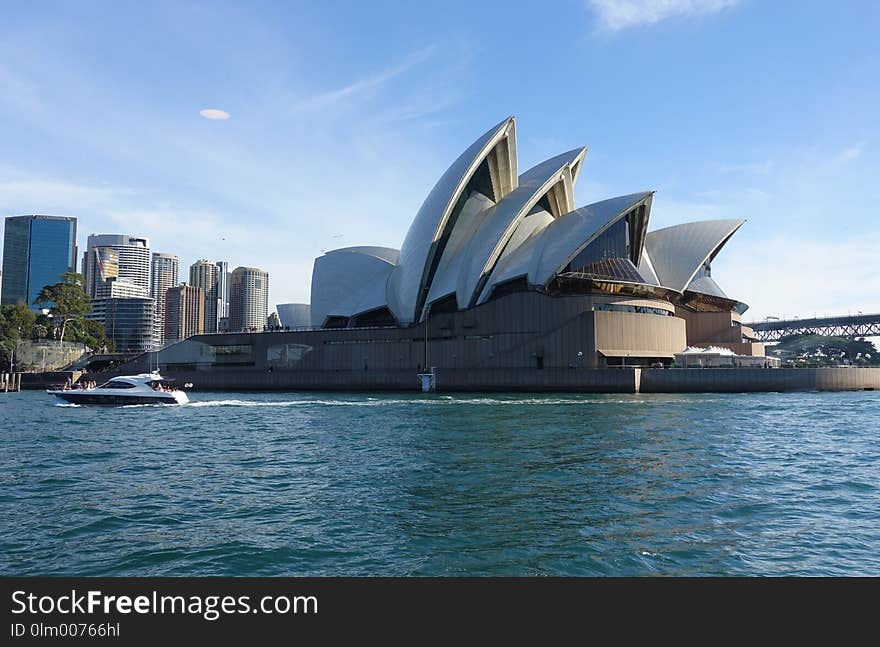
{"x": 126, "y": 282}
{"x": 663, "y": 93}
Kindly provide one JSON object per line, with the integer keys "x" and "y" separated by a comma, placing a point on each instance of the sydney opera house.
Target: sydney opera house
{"x": 501, "y": 279}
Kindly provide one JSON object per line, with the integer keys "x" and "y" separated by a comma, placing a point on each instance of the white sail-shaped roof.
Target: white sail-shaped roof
{"x": 532, "y": 223}
{"x": 431, "y": 228}
{"x": 349, "y": 281}
{"x": 547, "y": 252}
{"x": 646, "y": 268}
{"x": 295, "y": 315}
{"x": 677, "y": 252}
{"x": 706, "y": 285}
{"x": 472, "y": 217}
{"x": 466, "y": 267}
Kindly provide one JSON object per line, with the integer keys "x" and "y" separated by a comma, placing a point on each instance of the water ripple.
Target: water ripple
{"x": 328, "y": 484}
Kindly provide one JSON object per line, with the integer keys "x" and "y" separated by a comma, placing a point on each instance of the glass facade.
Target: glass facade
{"x": 128, "y": 322}
{"x": 52, "y": 253}
{"x": 37, "y": 250}
{"x": 609, "y": 256}
{"x": 642, "y": 310}
{"x": 15, "y": 260}
{"x": 611, "y": 243}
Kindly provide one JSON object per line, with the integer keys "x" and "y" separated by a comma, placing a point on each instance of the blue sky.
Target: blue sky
{"x": 344, "y": 114}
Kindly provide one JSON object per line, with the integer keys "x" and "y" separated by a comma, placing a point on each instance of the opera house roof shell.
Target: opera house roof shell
{"x": 484, "y": 225}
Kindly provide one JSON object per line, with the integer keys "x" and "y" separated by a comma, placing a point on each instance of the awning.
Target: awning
{"x": 634, "y": 353}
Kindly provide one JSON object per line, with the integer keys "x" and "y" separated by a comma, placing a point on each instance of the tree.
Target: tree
{"x": 92, "y": 334}
{"x": 42, "y": 327}
{"x": 16, "y": 323}
{"x": 66, "y": 300}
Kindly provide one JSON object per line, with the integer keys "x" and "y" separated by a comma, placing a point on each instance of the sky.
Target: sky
{"x": 342, "y": 115}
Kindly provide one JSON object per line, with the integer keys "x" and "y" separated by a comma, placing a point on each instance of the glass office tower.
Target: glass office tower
{"x": 37, "y": 250}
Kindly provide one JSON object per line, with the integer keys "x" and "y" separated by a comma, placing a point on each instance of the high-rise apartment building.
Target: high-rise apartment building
{"x": 184, "y": 312}
{"x": 163, "y": 275}
{"x": 114, "y": 287}
{"x": 248, "y": 299}
{"x": 116, "y": 255}
{"x": 222, "y": 292}
{"x": 203, "y": 274}
{"x": 37, "y": 250}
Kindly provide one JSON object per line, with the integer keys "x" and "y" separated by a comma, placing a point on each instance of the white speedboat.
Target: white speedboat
{"x": 145, "y": 388}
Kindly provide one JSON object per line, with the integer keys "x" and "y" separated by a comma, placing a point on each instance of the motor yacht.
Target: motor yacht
{"x": 144, "y": 388}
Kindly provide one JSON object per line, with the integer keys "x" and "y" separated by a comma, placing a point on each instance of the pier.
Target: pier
{"x": 10, "y": 382}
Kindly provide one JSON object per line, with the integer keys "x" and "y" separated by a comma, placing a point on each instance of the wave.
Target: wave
{"x": 438, "y": 401}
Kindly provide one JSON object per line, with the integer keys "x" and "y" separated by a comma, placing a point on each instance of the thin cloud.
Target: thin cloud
{"x": 39, "y": 195}
{"x": 615, "y": 15}
{"x": 781, "y": 275}
{"x": 214, "y": 114}
{"x": 851, "y": 153}
{"x": 751, "y": 168}
{"x": 361, "y": 86}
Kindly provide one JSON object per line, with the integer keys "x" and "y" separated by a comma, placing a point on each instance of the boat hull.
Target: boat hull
{"x": 77, "y": 397}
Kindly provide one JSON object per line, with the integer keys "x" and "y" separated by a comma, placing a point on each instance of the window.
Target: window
{"x": 642, "y": 310}
{"x": 234, "y": 354}
{"x": 112, "y": 384}
{"x": 286, "y": 355}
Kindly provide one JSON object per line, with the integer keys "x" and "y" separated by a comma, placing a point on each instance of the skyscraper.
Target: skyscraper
{"x": 203, "y": 274}
{"x": 37, "y": 250}
{"x": 184, "y": 312}
{"x": 248, "y": 299}
{"x": 163, "y": 275}
{"x": 116, "y": 255}
{"x": 113, "y": 288}
{"x": 222, "y": 293}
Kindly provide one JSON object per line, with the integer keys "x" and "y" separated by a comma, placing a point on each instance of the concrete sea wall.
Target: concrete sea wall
{"x": 582, "y": 380}
{"x": 741, "y": 380}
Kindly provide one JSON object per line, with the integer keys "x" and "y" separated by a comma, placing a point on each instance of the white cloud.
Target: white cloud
{"x": 214, "y": 114}
{"x": 851, "y": 153}
{"x": 615, "y": 15}
{"x": 790, "y": 275}
{"x": 25, "y": 195}
{"x": 362, "y": 86}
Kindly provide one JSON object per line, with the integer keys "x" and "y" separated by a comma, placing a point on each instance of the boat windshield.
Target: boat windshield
{"x": 116, "y": 384}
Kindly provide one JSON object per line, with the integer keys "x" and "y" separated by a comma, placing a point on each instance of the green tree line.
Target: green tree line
{"x": 67, "y": 305}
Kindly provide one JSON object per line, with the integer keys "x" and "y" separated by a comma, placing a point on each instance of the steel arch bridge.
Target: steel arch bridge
{"x": 851, "y": 326}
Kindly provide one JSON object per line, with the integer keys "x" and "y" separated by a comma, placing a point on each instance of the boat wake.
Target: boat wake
{"x": 433, "y": 401}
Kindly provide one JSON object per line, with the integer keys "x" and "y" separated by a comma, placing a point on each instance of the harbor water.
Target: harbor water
{"x": 450, "y": 485}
